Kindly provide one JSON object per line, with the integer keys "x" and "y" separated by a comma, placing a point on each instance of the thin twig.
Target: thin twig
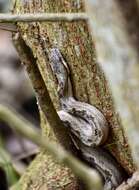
{"x": 37, "y": 17}
{"x": 88, "y": 175}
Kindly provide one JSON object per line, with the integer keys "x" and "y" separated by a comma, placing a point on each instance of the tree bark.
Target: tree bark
{"x": 89, "y": 84}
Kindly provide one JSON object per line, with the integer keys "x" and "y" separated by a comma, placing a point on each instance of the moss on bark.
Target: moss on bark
{"x": 89, "y": 84}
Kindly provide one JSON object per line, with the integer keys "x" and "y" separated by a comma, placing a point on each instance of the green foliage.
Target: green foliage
{"x": 7, "y": 165}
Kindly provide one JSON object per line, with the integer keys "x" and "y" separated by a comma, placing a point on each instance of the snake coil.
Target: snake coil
{"x": 89, "y": 128}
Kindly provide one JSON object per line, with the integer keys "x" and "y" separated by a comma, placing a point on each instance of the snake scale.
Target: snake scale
{"x": 88, "y": 127}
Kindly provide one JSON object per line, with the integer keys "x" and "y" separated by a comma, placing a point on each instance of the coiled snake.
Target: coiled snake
{"x": 88, "y": 126}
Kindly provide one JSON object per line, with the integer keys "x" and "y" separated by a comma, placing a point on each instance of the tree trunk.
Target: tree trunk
{"x": 89, "y": 85}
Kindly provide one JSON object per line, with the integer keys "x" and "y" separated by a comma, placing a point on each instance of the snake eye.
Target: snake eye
{"x": 96, "y": 132}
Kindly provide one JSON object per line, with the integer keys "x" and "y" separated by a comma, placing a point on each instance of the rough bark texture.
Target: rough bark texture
{"x": 89, "y": 84}
{"x": 52, "y": 178}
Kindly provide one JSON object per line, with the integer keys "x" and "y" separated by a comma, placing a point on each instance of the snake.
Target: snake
{"x": 88, "y": 127}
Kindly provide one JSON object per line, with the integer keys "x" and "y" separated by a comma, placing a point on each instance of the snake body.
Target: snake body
{"x": 88, "y": 127}
{"x": 85, "y": 121}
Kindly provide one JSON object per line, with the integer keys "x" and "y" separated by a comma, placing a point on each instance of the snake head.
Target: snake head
{"x": 59, "y": 68}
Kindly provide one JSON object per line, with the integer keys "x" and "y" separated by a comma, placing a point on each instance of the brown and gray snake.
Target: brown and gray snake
{"x": 89, "y": 128}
